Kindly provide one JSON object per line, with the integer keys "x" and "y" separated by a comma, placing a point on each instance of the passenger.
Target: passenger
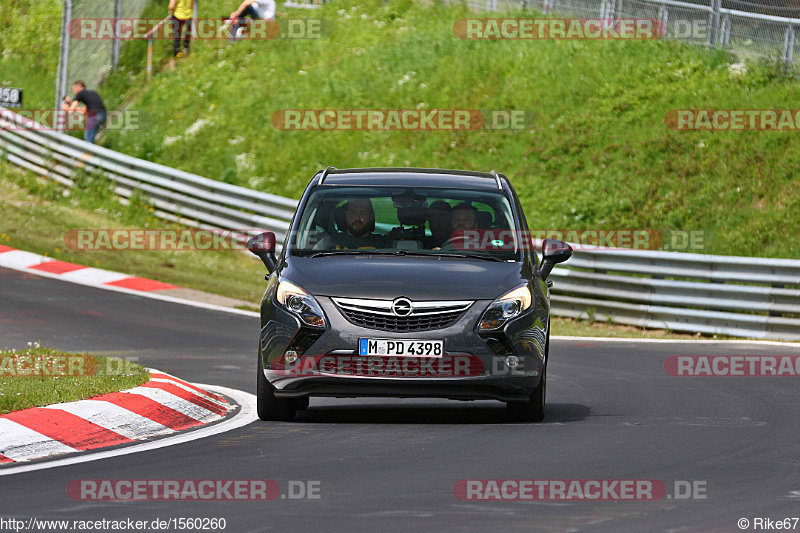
{"x": 439, "y": 220}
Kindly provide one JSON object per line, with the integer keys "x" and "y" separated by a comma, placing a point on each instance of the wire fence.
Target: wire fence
{"x": 761, "y": 28}
{"x": 90, "y": 60}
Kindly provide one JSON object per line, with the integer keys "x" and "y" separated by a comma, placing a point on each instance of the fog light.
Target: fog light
{"x": 512, "y": 361}
{"x": 290, "y": 356}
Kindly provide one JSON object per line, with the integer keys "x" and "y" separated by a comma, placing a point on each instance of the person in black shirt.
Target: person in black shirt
{"x": 439, "y": 220}
{"x": 94, "y": 109}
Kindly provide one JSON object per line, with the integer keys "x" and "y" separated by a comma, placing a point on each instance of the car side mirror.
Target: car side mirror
{"x": 553, "y": 252}
{"x": 263, "y": 246}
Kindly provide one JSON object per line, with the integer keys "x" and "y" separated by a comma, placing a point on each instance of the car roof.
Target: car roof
{"x": 413, "y": 177}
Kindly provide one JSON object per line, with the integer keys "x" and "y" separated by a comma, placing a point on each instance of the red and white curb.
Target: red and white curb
{"x": 162, "y": 406}
{"x": 38, "y": 264}
{"x": 48, "y": 267}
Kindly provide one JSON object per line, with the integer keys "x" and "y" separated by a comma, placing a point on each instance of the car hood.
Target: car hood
{"x": 417, "y": 278}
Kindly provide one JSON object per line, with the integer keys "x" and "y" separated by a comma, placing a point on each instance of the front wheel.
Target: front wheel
{"x": 533, "y": 409}
{"x": 268, "y": 406}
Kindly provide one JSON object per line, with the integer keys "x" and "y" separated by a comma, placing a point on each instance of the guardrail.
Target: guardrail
{"x": 736, "y": 296}
{"x": 712, "y": 294}
{"x": 176, "y": 195}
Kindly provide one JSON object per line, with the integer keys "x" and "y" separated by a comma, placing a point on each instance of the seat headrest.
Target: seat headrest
{"x": 484, "y": 219}
{"x": 412, "y": 216}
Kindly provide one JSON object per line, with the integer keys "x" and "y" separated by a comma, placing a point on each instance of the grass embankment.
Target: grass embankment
{"x": 595, "y": 154}
{"x": 36, "y": 217}
{"x": 37, "y": 376}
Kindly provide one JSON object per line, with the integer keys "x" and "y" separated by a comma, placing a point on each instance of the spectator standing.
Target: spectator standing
{"x": 94, "y": 109}
{"x": 181, "y": 12}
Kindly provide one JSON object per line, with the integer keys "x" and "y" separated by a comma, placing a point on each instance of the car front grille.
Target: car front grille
{"x": 423, "y": 316}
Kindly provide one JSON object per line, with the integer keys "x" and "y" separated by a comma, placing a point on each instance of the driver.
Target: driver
{"x": 359, "y": 222}
{"x": 464, "y": 217}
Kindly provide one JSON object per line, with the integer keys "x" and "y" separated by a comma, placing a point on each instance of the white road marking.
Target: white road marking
{"x": 93, "y": 276}
{"x": 80, "y": 280}
{"x": 22, "y": 260}
{"x": 189, "y": 389}
{"x": 20, "y": 443}
{"x": 245, "y": 416}
{"x": 114, "y": 418}
{"x": 786, "y": 344}
{"x": 174, "y": 402}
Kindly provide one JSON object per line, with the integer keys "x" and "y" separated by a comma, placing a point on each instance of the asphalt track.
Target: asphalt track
{"x": 390, "y": 465}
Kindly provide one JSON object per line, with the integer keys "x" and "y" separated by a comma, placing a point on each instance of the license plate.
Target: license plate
{"x": 398, "y": 347}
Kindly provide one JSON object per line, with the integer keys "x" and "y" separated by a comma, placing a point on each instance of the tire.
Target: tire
{"x": 533, "y": 409}
{"x": 268, "y": 406}
{"x": 302, "y": 403}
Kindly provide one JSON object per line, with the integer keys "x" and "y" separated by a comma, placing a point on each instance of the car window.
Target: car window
{"x": 415, "y": 219}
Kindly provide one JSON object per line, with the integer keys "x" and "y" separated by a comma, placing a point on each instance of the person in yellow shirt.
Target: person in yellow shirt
{"x": 181, "y": 11}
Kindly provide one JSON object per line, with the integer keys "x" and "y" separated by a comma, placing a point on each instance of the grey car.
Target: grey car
{"x": 405, "y": 282}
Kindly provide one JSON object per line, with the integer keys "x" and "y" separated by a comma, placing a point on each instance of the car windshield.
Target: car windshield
{"x": 406, "y": 221}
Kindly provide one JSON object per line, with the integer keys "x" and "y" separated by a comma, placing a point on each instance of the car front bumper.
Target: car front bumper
{"x": 523, "y": 338}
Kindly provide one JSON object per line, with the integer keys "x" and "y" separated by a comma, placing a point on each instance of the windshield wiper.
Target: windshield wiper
{"x": 470, "y": 256}
{"x": 355, "y": 252}
{"x": 407, "y": 252}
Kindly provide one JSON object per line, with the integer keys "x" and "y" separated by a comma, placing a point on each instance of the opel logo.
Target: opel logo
{"x": 401, "y": 307}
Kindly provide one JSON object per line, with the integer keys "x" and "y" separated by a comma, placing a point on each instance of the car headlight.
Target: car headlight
{"x": 510, "y": 305}
{"x": 300, "y": 303}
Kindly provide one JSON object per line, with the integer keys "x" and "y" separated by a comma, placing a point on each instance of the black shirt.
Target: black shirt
{"x": 345, "y": 241}
{"x": 91, "y": 100}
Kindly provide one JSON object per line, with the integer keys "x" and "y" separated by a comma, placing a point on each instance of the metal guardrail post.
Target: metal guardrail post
{"x": 725, "y": 31}
{"x": 195, "y": 16}
{"x": 663, "y": 16}
{"x": 150, "y": 37}
{"x": 115, "y": 42}
{"x": 149, "y": 58}
{"x": 788, "y": 45}
{"x": 63, "y": 56}
{"x": 715, "y": 20}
